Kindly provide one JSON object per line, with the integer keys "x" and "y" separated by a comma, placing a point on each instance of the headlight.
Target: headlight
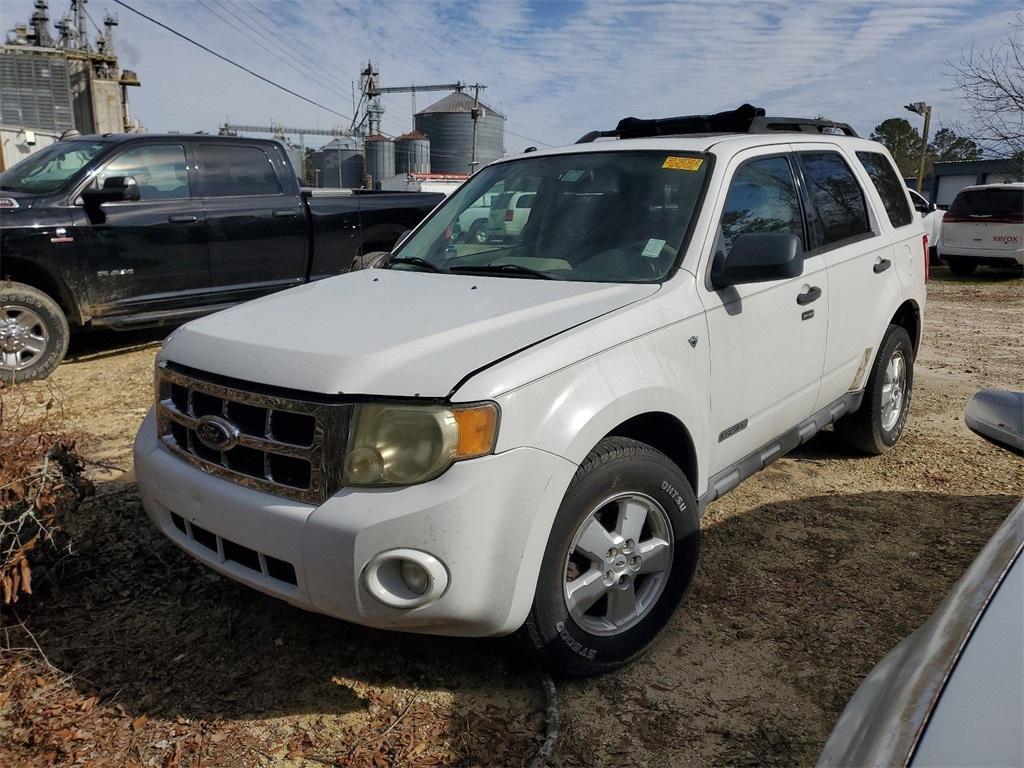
{"x": 399, "y": 444}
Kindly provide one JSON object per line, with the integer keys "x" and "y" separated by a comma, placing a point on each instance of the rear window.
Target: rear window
{"x": 234, "y": 170}
{"x": 838, "y": 199}
{"x": 997, "y": 204}
{"x": 890, "y": 187}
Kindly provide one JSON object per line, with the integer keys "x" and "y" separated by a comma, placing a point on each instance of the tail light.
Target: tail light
{"x": 508, "y": 214}
{"x": 927, "y": 260}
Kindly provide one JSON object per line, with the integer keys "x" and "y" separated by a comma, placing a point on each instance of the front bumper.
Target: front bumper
{"x": 486, "y": 520}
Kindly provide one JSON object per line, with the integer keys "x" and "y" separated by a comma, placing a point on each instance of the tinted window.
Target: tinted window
{"x": 595, "y": 216}
{"x": 160, "y": 171}
{"x": 837, "y": 197}
{"x": 762, "y": 198}
{"x": 48, "y": 169}
{"x": 999, "y": 204}
{"x": 229, "y": 170}
{"x": 890, "y": 187}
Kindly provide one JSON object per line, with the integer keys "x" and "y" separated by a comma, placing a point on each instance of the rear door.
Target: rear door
{"x": 255, "y": 219}
{"x": 148, "y": 254}
{"x": 987, "y": 218}
{"x": 848, "y": 235}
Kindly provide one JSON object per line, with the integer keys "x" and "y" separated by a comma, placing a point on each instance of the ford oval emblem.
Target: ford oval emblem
{"x": 216, "y": 433}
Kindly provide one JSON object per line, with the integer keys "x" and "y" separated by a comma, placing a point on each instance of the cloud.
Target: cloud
{"x": 556, "y": 69}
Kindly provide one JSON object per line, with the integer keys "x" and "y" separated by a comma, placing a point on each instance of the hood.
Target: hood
{"x": 389, "y": 332}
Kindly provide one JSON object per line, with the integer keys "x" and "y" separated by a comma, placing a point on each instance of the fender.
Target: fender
{"x": 49, "y": 278}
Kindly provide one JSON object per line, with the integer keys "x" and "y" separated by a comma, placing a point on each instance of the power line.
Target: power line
{"x": 231, "y": 61}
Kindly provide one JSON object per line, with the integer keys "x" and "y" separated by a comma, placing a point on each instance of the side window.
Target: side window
{"x": 890, "y": 187}
{"x": 160, "y": 171}
{"x": 762, "y": 198}
{"x": 233, "y": 170}
{"x": 837, "y": 197}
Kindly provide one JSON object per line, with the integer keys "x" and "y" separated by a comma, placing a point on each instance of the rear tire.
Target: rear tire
{"x": 876, "y": 426}
{"x": 34, "y": 333}
{"x": 961, "y": 267}
{"x": 622, "y": 551}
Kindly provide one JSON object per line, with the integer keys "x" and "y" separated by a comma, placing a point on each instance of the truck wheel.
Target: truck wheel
{"x": 621, "y": 556}
{"x": 961, "y": 266}
{"x": 876, "y": 426}
{"x": 33, "y": 333}
{"x": 477, "y": 232}
{"x": 370, "y": 260}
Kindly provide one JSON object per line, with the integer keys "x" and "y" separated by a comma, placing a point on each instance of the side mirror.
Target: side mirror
{"x": 925, "y": 208}
{"x": 998, "y": 416}
{"x": 758, "y": 257}
{"x": 115, "y": 189}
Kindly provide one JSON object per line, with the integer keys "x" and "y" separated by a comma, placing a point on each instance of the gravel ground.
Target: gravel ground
{"x": 810, "y": 572}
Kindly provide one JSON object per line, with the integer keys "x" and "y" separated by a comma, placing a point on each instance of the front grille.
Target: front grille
{"x": 288, "y": 446}
{"x": 231, "y": 552}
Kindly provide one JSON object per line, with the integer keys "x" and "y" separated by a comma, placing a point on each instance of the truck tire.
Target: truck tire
{"x": 621, "y": 556}
{"x": 875, "y": 427}
{"x": 961, "y": 267}
{"x": 370, "y": 260}
{"x": 33, "y": 333}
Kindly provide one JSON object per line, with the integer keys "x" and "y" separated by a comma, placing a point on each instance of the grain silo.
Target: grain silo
{"x": 341, "y": 153}
{"x": 449, "y": 125}
{"x": 380, "y": 158}
{"x": 412, "y": 153}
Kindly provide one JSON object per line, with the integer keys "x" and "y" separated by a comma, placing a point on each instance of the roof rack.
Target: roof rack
{"x": 743, "y": 119}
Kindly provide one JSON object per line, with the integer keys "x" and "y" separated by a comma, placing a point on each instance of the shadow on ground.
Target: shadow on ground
{"x": 835, "y": 581}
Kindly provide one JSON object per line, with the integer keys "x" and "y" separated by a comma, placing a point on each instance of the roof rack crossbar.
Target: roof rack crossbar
{"x": 743, "y": 119}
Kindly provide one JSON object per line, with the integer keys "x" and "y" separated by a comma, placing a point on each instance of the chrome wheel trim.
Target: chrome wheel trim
{"x": 894, "y": 390}
{"x": 627, "y": 564}
{"x": 23, "y": 337}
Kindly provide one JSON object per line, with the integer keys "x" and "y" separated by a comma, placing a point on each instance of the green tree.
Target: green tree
{"x": 946, "y": 147}
{"x": 902, "y": 141}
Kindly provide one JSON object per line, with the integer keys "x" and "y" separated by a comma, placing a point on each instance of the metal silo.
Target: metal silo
{"x": 380, "y": 158}
{"x": 412, "y": 153}
{"x": 449, "y": 126}
{"x": 340, "y": 153}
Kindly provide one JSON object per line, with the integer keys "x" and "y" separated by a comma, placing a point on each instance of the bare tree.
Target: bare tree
{"x": 991, "y": 84}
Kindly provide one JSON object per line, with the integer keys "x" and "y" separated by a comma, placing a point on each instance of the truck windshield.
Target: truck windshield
{"x": 49, "y": 169}
{"x": 595, "y": 216}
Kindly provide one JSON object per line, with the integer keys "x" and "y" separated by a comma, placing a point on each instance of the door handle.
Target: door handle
{"x": 183, "y": 219}
{"x": 881, "y": 265}
{"x": 811, "y": 294}
{"x": 282, "y": 212}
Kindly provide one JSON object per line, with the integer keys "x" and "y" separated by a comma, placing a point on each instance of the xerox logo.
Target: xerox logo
{"x": 1006, "y": 239}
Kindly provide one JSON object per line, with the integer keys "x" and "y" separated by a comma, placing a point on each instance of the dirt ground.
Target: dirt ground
{"x": 810, "y": 572}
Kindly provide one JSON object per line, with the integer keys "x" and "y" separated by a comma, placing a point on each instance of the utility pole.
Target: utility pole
{"x": 920, "y": 108}
{"x": 475, "y": 115}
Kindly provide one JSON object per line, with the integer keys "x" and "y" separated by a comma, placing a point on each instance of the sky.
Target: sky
{"x": 555, "y": 69}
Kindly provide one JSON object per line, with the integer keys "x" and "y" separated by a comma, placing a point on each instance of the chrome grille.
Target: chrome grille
{"x": 287, "y": 446}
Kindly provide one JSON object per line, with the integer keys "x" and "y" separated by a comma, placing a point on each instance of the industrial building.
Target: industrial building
{"x": 458, "y": 142}
{"x": 50, "y": 84}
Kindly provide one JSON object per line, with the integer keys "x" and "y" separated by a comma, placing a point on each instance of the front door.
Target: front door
{"x": 148, "y": 254}
{"x": 767, "y": 339}
{"x": 257, "y": 226}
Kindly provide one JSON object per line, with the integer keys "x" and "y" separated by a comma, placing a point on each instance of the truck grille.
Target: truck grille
{"x": 287, "y": 446}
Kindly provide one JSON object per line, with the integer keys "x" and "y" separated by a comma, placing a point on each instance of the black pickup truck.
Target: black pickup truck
{"x": 124, "y": 231}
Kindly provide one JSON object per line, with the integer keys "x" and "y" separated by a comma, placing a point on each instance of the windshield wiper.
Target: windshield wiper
{"x": 416, "y": 261}
{"x": 502, "y": 269}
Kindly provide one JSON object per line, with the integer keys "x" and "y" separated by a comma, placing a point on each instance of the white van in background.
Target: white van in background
{"x": 984, "y": 227}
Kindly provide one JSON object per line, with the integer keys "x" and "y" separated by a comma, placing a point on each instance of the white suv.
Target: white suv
{"x": 984, "y": 227}
{"x": 475, "y": 441}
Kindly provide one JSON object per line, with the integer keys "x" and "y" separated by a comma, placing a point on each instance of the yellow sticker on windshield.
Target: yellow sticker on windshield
{"x": 683, "y": 163}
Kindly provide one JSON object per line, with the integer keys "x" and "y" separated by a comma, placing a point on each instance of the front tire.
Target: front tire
{"x": 34, "y": 333}
{"x": 621, "y": 556}
{"x": 877, "y": 425}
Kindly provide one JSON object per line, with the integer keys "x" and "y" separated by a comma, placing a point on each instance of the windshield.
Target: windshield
{"x": 49, "y": 169}
{"x": 596, "y": 216}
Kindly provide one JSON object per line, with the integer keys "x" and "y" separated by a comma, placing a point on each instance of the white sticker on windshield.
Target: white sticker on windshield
{"x": 653, "y": 248}
{"x": 570, "y": 176}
